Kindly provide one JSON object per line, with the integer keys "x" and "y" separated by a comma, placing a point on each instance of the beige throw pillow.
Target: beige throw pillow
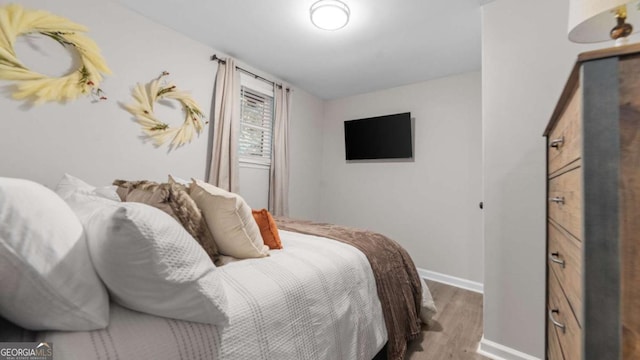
{"x": 230, "y": 220}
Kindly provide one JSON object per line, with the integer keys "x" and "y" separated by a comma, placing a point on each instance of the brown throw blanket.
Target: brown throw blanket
{"x": 397, "y": 280}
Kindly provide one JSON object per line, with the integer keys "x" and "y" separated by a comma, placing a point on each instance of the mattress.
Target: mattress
{"x": 314, "y": 299}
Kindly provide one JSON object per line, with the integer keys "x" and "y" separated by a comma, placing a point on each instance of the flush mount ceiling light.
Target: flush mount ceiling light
{"x": 329, "y": 14}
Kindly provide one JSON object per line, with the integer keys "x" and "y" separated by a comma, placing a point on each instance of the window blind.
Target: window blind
{"x": 255, "y": 126}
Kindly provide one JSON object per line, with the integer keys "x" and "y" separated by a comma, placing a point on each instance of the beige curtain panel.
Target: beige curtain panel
{"x": 226, "y": 122}
{"x": 279, "y": 182}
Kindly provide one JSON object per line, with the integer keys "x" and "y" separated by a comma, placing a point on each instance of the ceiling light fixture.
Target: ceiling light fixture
{"x": 329, "y": 14}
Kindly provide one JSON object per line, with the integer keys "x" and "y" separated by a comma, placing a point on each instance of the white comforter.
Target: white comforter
{"x": 315, "y": 299}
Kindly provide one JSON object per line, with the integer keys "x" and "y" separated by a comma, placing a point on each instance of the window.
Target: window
{"x": 256, "y": 121}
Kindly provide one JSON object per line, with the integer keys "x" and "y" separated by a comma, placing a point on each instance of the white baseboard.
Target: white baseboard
{"x": 496, "y": 351}
{"x": 486, "y": 347}
{"x": 451, "y": 280}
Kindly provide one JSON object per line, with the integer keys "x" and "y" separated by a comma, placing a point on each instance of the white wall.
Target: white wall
{"x": 253, "y": 183}
{"x": 526, "y": 62}
{"x": 430, "y": 206}
{"x": 100, "y": 142}
{"x": 305, "y": 155}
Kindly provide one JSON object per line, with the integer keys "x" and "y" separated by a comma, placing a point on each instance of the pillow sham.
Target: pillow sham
{"x": 151, "y": 264}
{"x": 174, "y": 200}
{"x": 47, "y": 279}
{"x": 70, "y": 184}
{"x": 268, "y": 228}
{"x": 230, "y": 221}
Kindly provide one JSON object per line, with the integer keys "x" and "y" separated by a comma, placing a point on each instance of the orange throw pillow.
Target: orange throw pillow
{"x": 268, "y": 228}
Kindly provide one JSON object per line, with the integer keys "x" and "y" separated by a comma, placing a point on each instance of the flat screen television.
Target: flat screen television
{"x": 381, "y": 137}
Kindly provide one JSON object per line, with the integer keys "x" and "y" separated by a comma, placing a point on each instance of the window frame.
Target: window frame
{"x": 265, "y": 89}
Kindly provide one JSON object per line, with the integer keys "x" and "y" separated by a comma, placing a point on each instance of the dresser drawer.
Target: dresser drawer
{"x": 565, "y": 201}
{"x": 565, "y": 139}
{"x": 553, "y": 345}
{"x": 568, "y": 330}
{"x": 565, "y": 261}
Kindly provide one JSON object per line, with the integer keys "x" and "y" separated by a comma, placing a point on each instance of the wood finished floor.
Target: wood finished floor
{"x": 456, "y": 328}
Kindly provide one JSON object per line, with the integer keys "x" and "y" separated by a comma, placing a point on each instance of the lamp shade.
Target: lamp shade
{"x": 592, "y": 20}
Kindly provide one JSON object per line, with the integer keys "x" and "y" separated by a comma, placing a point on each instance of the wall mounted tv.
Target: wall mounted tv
{"x": 381, "y": 137}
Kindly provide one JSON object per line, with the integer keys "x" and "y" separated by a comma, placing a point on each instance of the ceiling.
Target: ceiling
{"x": 387, "y": 43}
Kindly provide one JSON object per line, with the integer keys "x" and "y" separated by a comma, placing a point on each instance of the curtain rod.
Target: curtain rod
{"x": 215, "y": 57}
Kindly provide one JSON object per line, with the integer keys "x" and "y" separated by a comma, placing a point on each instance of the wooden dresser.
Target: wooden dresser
{"x": 593, "y": 210}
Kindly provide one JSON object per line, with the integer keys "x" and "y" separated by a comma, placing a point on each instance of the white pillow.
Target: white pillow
{"x": 230, "y": 221}
{"x": 47, "y": 281}
{"x": 70, "y": 184}
{"x": 150, "y": 263}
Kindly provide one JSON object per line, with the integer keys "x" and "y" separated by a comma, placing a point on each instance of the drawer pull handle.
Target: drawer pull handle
{"x": 555, "y": 257}
{"x": 557, "y": 199}
{"x": 557, "y": 324}
{"x": 556, "y": 143}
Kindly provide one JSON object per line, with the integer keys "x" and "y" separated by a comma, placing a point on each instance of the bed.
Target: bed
{"x": 323, "y": 296}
